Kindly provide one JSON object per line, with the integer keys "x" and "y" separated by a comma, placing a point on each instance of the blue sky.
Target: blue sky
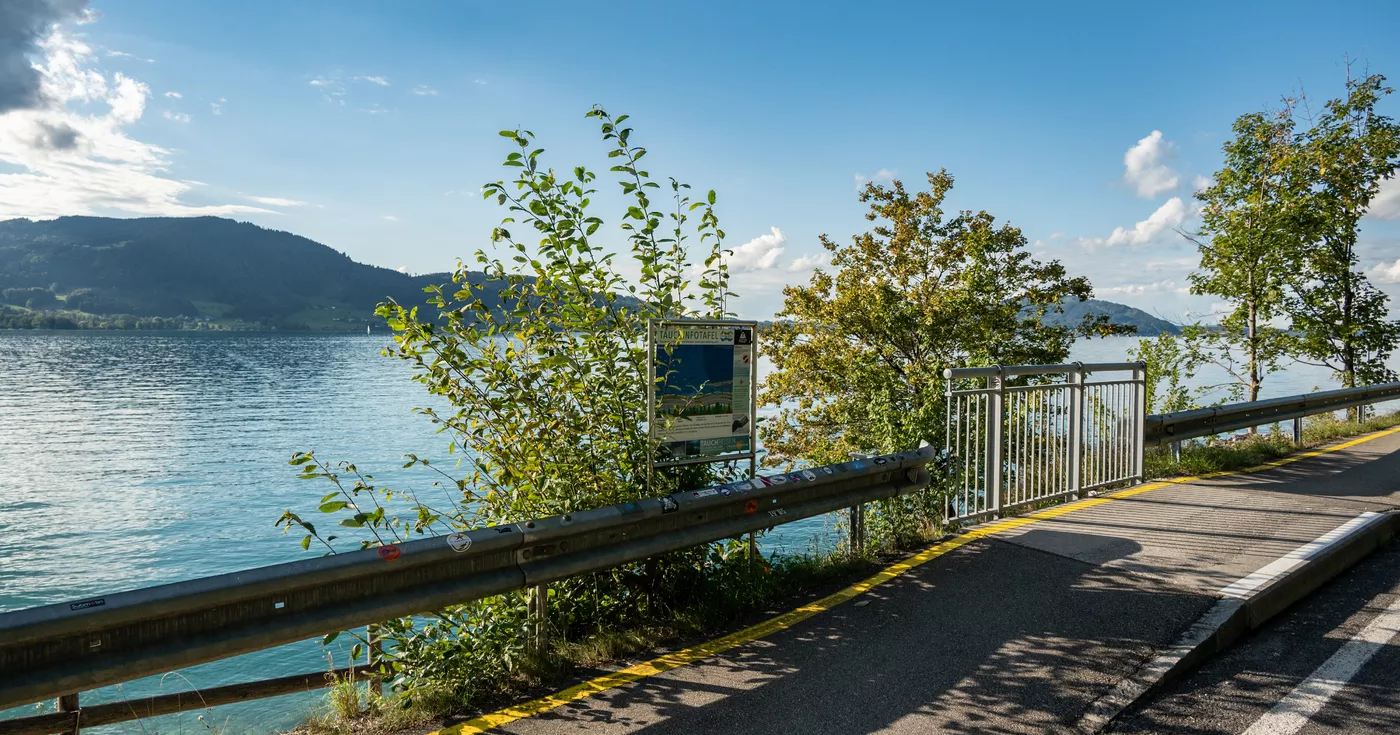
{"x": 369, "y": 126}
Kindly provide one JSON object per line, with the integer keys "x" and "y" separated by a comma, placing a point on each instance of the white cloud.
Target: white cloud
{"x": 390, "y": 218}
{"x": 883, "y": 176}
{"x": 423, "y": 90}
{"x": 381, "y": 81}
{"x": 1386, "y": 272}
{"x": 125, "y": 55}
{"x": 1136, "y": 289}
{"x": 277, "y": 201}
{"x": 759, "y": 253}
{"x": 82, "y": 161}
{"x": 1144, "y": 167}
{"x": 1171, "y": 214}
{"x": 178, "y": 117}
{"x": 1201, "y": 183}
{"x": 218, "y": 107}
{"x": 402, "y": 269}
{"x": 809, "y": 262}
{"x": 176, "y": 95}
{"x": 478, "y": 81}
{"x": 319, "y": 83}
{"x": 1386, "y": 203}
{"x": 90, "y": 15}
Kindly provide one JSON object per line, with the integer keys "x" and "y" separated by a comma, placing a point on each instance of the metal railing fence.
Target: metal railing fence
{"x": 63, "y": 649}
{"x": 1058, "y": 431}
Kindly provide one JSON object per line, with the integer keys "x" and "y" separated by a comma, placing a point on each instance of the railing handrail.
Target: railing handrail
{"x": 60, "y": 649}
{"x": 1008, "y": 371}
{"x": 1181, "y": 425}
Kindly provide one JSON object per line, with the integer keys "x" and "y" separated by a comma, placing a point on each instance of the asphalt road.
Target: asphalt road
{"x": 1330, "y": 665}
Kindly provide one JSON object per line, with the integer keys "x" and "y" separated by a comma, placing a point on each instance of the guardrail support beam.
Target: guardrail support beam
{"x": 539, "y": 618}
{"x": 857, "y": 530}
{"x": 1298, "y": 431}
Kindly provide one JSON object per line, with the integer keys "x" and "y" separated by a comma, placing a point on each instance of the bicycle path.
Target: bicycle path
{"x": 1014, "y": 627}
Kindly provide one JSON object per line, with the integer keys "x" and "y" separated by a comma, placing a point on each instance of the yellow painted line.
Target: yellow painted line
{"x": 705, "y": 650}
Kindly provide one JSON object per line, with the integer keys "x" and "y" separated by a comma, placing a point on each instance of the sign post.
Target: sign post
{"x": 702, "y": 394}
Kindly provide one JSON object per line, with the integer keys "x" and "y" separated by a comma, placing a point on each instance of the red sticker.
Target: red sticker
{"x": 389, "y": 552}
{"x": 751, "y": 506}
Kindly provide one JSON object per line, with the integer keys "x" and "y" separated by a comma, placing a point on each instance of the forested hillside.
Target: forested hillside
{"x": 200, "y": 268}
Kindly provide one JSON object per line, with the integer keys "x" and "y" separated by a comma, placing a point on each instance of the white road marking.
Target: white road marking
{"x": 1274, "y": 569}
{"x": 1296, "y": 710}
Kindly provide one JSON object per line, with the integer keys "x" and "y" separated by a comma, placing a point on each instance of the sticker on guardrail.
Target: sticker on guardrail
{"x": 776, "y": 512}
{"x": 776, "y": 479}
{"x": 669, "y": 506}
{"x": 750, "y": 506}
{"x": 87, "y": 604}
{"x": 704, "y": 493}
{"x": 389, "y": 552}
{"x": 459, "y": 542}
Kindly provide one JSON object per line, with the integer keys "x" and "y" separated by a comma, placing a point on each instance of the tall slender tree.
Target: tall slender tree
{"x": 1342, "y": 320}
{"x": 1248, "y": 240}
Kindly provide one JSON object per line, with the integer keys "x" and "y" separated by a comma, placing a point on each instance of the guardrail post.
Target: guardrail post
{"x": 857, "y": 539}
{"x": 69, "y": 703}
{"x": 1139, "y": 418}
{"x": 539, "y": 618}
{"x": 374, "y": 654}
{"x": 1076, "y": 428}
{"x": 996, "y": 398}
{"x": 1176, "y": 451}
{"x": 1298, "y": 431}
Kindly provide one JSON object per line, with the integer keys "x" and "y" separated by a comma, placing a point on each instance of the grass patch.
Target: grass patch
{"x": 1271, "y": 443}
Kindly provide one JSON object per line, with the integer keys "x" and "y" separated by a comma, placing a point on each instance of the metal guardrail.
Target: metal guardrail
{"x": 1175, "y": 427}
{"x": 62, "y": 649}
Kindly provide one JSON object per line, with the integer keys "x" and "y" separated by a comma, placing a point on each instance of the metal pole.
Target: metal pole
{"x": 995, "y": 402}
{"x": 1298, "y": 431}
{"x": 1176, "y": 451}
{"x": 1076, "y": 429}
{"x": 1139, "y": 418}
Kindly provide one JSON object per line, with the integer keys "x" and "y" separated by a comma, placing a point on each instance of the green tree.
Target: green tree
{"x": 1249, "y": 241}
{"x": 858, "y": 354}
{"x": 1170, "y": 366}
{"x": 1342, "y": 320}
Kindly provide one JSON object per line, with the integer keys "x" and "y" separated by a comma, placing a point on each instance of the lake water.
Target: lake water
{"x": 128, "y": 460}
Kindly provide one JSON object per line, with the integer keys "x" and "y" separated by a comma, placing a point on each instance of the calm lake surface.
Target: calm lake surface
{"x": 128, "y": 460}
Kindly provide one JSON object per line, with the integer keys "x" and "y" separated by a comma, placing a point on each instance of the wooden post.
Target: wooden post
{"x": 539, "y": 618}
{"x": 374, "y": 655}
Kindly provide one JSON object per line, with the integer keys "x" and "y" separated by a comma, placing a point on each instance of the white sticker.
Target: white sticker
{"x": 757, "y": 484}
{"x": 810, "y": 475}
{"x": 459, "y": 542}
{"x": 704, "y": 493}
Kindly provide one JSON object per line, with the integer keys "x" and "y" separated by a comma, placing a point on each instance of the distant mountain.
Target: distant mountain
{"x": 200, "y": 268}
{"x": 193, "y": 271}
{"x": 1147, "y": 325}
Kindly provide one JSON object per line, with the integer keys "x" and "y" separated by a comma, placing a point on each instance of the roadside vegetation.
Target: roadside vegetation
{"x": 1200, "y": 457}
{"x": 541, "y": 359}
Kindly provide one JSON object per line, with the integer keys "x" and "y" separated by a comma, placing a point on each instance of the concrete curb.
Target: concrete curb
{"x": 1232, "y": 618}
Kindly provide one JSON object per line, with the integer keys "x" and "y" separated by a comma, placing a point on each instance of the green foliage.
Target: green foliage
{"x": 542, "y": 359}
{"x": 1249, "y": 241}
{"x": 858, "y": 354}
{"x": 1170, "y": 366}
{"x": 1278, "y": 243}
{"x": 1343, "y": 321}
